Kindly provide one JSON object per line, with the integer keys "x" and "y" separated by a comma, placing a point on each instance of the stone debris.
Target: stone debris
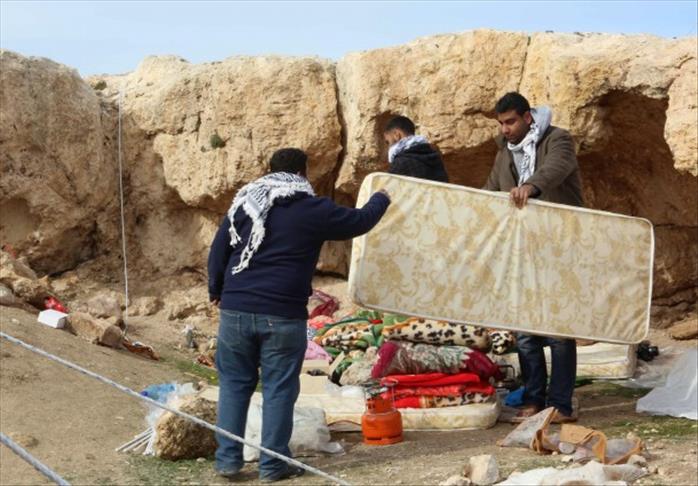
{"x": 483, "y": 470}
{"x": 456, "y": 481}
{"x": 97, "y": 331}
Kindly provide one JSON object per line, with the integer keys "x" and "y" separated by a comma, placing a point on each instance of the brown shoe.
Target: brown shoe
{"x": 525, "y": 412}
{"x": 561, "y": 418}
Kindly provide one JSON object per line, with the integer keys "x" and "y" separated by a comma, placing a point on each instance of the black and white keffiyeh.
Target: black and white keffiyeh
{"x": 403, "y": 144}
{"x": 524, "y": 153}
{"x": 256, "y": 199}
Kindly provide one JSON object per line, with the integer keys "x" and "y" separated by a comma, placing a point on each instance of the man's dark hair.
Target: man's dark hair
{"x": 291, "y": 160}
{"x": 402, "y": 123}
{"x": 512, "y": 101}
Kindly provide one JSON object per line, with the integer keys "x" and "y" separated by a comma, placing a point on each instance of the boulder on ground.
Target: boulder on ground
{"x": 16, "y": 275}
{"x": 179, "y": 438}
{"x": 95, "y": 330}
{"x": 144, "y": 306}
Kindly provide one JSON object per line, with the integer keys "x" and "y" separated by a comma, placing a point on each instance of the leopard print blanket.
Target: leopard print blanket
{"x": 418, "y": 330}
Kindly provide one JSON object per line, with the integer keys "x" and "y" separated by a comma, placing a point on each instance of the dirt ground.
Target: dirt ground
{"x": 73, "y": 423}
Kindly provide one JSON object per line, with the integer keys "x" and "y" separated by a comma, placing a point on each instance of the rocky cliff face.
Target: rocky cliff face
{"x": 193, "y": 134}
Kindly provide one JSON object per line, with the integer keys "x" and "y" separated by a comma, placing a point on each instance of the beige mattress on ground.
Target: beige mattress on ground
{"x": 348, "y": 411}
{"x": 600, "y": 361}
{"x": 465, "y": 255}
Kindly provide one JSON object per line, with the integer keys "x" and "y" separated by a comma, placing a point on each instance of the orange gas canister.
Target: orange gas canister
{"x": 381, "y": 423}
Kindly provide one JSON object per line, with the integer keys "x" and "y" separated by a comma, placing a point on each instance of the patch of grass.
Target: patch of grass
{"x": 100, "y": 85}
{"x": 216, "y": 141}
{"x": 188, "y": 366}
{"x": 613, "y": 390}
{"x": 155, "y": 471}
{"x": 654, "y": 427}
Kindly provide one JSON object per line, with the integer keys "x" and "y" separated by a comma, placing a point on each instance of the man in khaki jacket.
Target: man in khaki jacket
{"x": 537, "y": 160}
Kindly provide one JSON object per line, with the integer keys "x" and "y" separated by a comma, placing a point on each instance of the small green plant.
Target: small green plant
{"x": 217, "y": 141}
{"x": 195, "y": 369}
{"x": 100, "y": 85}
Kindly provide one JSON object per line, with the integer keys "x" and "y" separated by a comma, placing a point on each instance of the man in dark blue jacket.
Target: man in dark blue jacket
{"x": 260, "y": 269}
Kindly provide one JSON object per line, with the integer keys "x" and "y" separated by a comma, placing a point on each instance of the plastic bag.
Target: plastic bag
{"x": 164, "y": 393}
{"x": 347, "y": 391}
{"x": 525, "y": 434}
{"x": 679, "y": 396}
{"x": 310, "y": 432}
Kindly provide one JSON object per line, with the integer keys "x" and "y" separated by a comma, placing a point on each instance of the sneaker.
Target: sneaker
{"x": 289, "y": 473}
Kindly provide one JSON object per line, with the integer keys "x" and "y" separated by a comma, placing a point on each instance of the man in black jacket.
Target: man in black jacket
{"x": 260, "y": 270}
{"x": 410, "y": 154}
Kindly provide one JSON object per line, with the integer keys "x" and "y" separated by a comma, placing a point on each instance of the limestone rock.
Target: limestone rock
{"x": 97, "y": 331}
{"x": 112, "y": 337}
{"x": 448, "y": 84}
{"x": 254, "y": 105}
{"x": 22, "y": 281}
{"x": 58, "y": 173}
{"x": 685, "y": 329}
{"x": 185, "y": 304}
{"x": 59, "y": 195}
{"x": 104, "y": 305}
{"x": 484, "y": 469}
{"x": 6, "y": 296}
{"x": 334, "y": 258}
{"x": 456, "y": 481}
{"x": 145, "y": 306}
{"x": 178, "y": 438}
{"x": 594, "y": 84}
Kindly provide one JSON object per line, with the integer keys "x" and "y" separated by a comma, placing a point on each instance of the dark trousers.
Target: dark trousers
{"x": 535, "y": 375}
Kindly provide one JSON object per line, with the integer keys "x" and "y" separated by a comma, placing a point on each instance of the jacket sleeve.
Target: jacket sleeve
{"x": 560, "y": 162}
{"x": 218, "y": 259}
{"x": 344, "y": 223}
{"x": 492, "y": 183}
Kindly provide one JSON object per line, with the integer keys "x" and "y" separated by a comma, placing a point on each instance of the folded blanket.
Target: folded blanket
{"x": 418, "y": 330}
{"x": 443, "y": 391}
{"x": 430, "y": 379}
{"x": 439, "y": 402}
{"x": 407, "y": 358}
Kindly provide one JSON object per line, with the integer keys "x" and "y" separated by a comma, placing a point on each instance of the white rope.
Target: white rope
{"x": 123, "y": 219}
{"x": 42, "y": 468}
{"x": 187, "y": 416}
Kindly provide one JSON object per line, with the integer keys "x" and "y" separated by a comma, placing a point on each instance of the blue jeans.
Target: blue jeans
{"x": 535, "y": 375}
{"x": 247, "y": 342}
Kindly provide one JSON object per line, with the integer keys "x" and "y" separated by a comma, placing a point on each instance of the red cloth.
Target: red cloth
{"x": 443, "y": 391}
{"x": 328, "y": 304}
{"x": 430, "y": 379}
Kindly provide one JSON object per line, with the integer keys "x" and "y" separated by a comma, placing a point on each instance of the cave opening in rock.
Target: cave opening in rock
{"x": 631, "y": 171}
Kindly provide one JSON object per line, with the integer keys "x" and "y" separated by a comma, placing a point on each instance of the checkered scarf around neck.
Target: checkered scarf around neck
{"x": 256, "y": 199}
{"x": 525, "y": 157}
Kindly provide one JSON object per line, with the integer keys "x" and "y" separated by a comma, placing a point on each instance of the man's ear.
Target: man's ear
{"x": 528, "y": 118}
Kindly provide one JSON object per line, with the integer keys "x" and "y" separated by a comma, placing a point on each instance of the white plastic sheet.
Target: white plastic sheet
{"x": 310, "y": 432}
{"x": 679, "y": 396}
{"x": 592, "y": 474}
